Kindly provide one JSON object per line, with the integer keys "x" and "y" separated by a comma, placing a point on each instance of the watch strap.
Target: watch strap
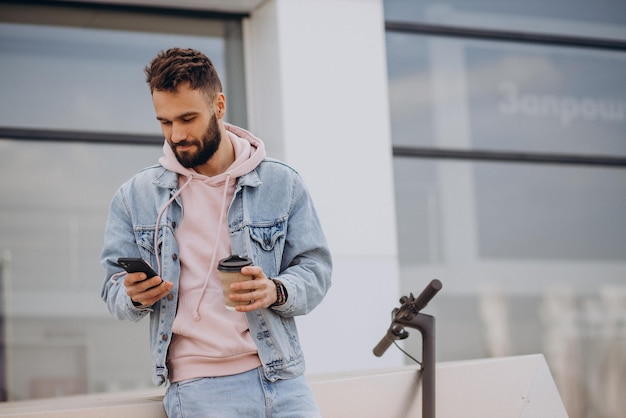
{"x": 281, "y": 293}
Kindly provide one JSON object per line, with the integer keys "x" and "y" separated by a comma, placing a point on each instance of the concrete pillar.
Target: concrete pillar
{"x": 317, "y": 95}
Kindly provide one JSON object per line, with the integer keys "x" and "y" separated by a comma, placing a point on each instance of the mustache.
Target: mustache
{"x": 183, "y": 143}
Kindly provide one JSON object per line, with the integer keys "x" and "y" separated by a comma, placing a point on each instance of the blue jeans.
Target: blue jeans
{"x": 245, "y": 395}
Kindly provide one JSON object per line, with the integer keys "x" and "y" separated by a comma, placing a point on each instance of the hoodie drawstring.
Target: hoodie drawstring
{"x": 196, "y": 315}
{"x": 158, "y": 222}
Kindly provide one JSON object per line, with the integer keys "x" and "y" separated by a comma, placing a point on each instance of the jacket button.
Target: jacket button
{"x": 170, "y": 296}
{"x": 164, "y": 337}
{"x": 174, "y": 257}
{"x": 174, "y": 225}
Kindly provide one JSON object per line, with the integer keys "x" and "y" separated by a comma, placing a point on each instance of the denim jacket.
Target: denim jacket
{"x": 271, "y": 219}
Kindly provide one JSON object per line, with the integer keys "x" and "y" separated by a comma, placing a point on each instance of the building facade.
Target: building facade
{"x": 481, "y": 144}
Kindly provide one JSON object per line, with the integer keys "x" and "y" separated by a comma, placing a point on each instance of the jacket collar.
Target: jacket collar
{"x": 169, "y": 179}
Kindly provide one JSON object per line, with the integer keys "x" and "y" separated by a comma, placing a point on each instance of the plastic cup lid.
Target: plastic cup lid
{"x": 233, "y": 263}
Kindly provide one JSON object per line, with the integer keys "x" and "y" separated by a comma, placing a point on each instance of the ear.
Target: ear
{"x": 220, "y": 105}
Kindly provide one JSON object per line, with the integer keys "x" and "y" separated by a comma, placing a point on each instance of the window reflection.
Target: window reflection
{"x": 533, "y": 255}
{"x": 546, "y": 99}
{"x": 533, "y": 258}
{"x": 550, "y": 213}
{"x": 84, "y": 79}
{"x": 66, "y": 69}
{"x": 506, "y": 97}
{"x": 576, "y": 17}
{"x": 51, "y": 230}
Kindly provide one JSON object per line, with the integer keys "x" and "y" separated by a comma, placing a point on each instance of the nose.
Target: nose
{"x": 178, "y": 133}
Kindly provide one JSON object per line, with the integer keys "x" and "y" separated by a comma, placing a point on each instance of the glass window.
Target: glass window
{"x": 532, "y": 257}
{"x": 546, "y": 99}
{"x": 93, "y": 77}
{"x": 417, "y": 211}
{"x": 79, "y": 69}
{"x": 514, "y": 212}
{"x": 549, "y": 212}
{"x": 411, "y": 90}
{"x": 51, "y": 230}
{"x": 80, "y": 75}
{"x": 506, "y": 97}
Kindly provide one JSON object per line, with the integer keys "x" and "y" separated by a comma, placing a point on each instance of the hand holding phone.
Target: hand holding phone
{"x": 139, "y": 294}
{"x": 136, "y": 265}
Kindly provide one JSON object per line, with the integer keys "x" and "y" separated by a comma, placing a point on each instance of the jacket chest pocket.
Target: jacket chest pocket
{"x": 145, "y": 242}
{"x": 267, "y": 246}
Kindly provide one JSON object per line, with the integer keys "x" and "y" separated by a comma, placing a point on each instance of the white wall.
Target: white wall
{"x": 317, "y": 94}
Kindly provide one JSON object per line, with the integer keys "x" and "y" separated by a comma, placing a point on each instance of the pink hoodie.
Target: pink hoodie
{"x": 209, "y": 340}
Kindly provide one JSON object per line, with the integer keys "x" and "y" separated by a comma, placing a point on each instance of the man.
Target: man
{"x": 213, "y": 194}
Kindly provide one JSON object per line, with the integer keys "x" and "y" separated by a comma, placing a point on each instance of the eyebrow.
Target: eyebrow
{"x": 181, "y": 116}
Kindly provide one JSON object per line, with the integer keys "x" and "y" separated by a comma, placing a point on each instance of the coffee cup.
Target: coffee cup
{"x": 230, "y": 272}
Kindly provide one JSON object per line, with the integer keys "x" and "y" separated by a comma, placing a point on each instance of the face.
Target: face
{"x": 194, "y": 152}
{"x": 189, "y": 125}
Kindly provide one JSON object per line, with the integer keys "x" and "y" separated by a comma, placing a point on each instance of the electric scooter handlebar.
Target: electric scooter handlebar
{"x": 384, "y": 344}
{"x": 395, "y": 332}
{"x": 427, "y": 294}
{"x": 410, "y": 307}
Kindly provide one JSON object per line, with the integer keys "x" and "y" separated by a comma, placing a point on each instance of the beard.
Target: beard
{"x": 206, "y": 147}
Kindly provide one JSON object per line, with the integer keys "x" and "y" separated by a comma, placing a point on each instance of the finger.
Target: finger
{"x": 255, "y": 271}
{"x": 253, "y": 303}
{"x": 163, "y": 290}
{"x": 249, "y": 307}
{"x": 249, "y": 285}
{"x": 150, "y": 283}
{"x": 146, "y": 284}
{"x": 152, "y": 294}
{"x": 132, "y": 278}
{"x": 242, "y": 297}
{"x": 245, "y": 286}
{"x": 259, "y": 298}
{"x": 244, "y": 292}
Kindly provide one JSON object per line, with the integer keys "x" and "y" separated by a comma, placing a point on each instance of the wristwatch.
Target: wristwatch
{"x": 281, "y": 293}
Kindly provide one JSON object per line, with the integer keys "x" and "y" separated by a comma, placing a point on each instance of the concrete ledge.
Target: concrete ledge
{"x": 132, "y": 404}
{"x": 516, "y": 387}
{"x": 509, "y": 387}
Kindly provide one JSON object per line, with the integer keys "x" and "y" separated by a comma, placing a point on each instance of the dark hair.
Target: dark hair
{"x": 176, "y": 66}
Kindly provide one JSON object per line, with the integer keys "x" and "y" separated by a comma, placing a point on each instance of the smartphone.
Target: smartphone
{"x": 136, "y": 265}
